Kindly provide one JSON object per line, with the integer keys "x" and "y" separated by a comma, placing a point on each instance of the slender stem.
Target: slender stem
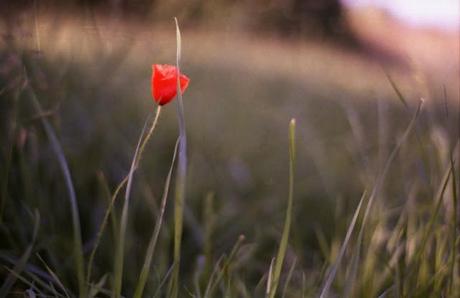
{"x": 116, "y": 192}
{"x": 287, "y": 223}
{"x": 120, "y": 247}
{"x": 149, "y": 134}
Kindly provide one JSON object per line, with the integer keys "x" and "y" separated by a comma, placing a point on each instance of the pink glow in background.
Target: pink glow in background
{"x": 443, "y": 14}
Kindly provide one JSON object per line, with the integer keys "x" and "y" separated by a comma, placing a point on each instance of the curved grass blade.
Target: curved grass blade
{"x": 56, "y": 147}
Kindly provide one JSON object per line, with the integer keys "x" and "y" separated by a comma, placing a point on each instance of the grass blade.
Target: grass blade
{"x": 376, "y": 190}
{"x": 287, "y": 224}
{"x": 333, "y": 270}
{"x": 119, "y": 255}
{"x": 180, "y": 176}
{"x": 153, "y": 240}
{"x": 165, "y": 278}
{"x": 432, "y": 220}
{"x": 396, "y": 89}
{"x": 270, "y": 278}
{"x": 77, "y": 245}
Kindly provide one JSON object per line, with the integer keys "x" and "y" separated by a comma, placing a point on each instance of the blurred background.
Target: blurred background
{"x": 333, "y": 65}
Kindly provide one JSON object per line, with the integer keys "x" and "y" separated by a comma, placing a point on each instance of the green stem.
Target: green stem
{"x": 287, "y": 223}
{"x": 115, "y": 194}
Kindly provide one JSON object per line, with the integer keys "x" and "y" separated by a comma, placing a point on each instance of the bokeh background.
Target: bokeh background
{"x": 333, "y": 65}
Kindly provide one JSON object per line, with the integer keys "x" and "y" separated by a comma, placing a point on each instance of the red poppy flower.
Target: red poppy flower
{"x": 164, "y": 83}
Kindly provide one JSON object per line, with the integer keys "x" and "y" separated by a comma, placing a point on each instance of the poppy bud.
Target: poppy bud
{"x": 164, "y": 83}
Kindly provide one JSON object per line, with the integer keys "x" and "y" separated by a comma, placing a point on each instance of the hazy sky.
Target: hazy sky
{"x": 439, "y": 13}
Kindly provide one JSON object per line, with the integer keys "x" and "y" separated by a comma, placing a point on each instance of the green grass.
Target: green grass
{"x": 224, "y": 223}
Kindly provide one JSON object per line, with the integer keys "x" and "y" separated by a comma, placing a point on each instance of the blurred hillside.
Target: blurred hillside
{"x": 288, "y": 18}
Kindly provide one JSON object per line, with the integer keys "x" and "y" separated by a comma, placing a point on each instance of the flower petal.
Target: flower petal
{"x": 164, "y": 83}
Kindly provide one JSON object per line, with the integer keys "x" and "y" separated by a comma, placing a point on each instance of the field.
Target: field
{"x": 375, "y": 176}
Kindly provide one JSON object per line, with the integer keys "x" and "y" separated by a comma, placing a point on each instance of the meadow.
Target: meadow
{"x": 374, "y": 184}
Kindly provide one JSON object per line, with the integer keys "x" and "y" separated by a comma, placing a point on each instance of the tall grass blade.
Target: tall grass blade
{"x": 423, "y": 152}
{"x": 287, "y": 224}
{"x": 77, "y": 245}
{"x": 379, "y": 184}
{"x": 333, "y": 270}
{"x": 153, "y": 240}
{"x": 119, "y": 255}
{"x": 180, "y": 176}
